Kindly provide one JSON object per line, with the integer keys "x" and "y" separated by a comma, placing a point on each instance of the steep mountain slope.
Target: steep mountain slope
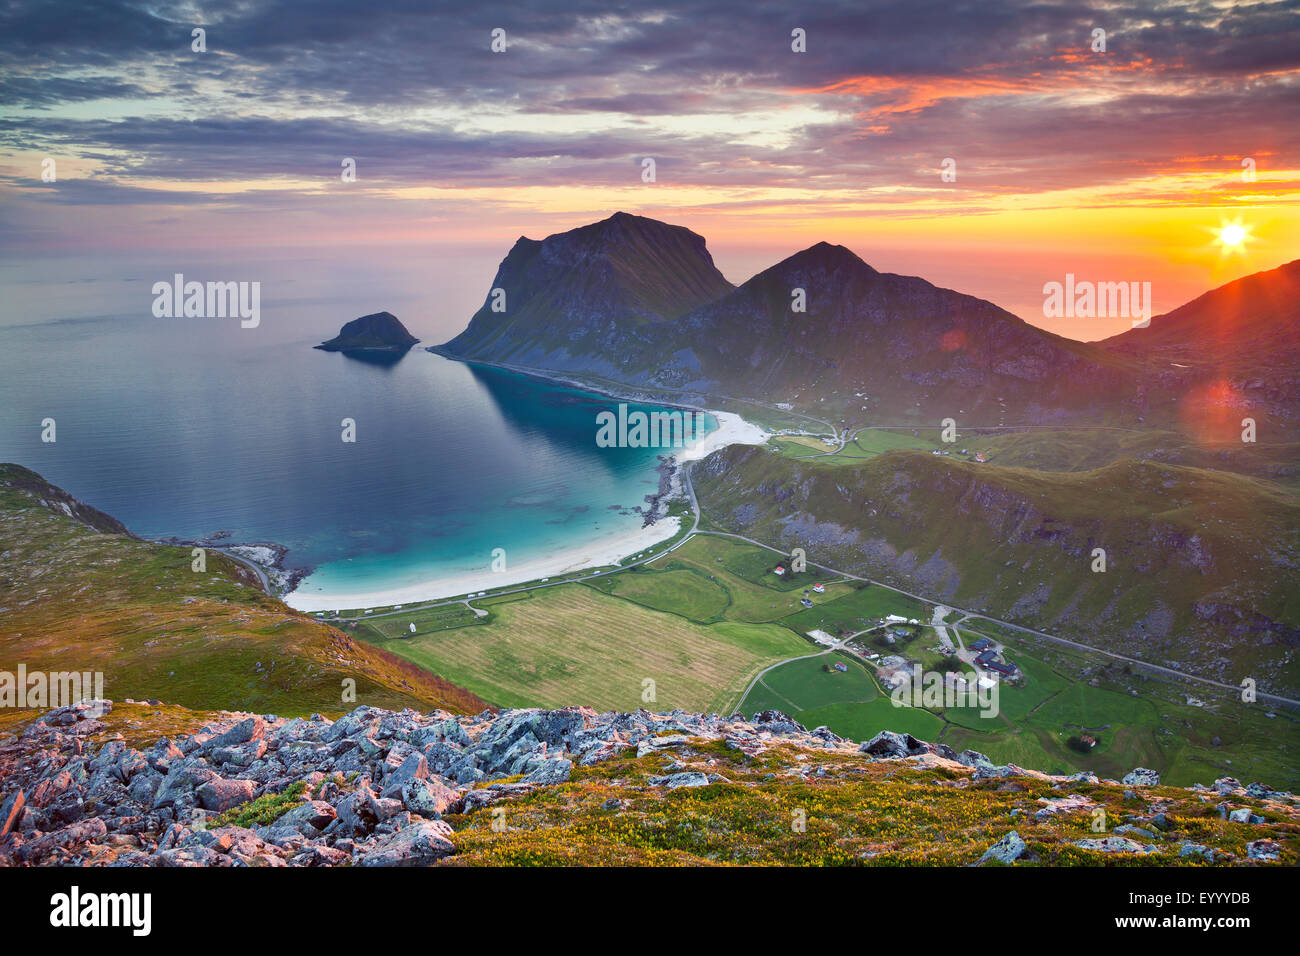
{"x": 1250, "y": 322}
{"x": 1235, "y": 347}
{"x": 589, "y": 299}
{"x": 912, "y": 349}
{"x": 1203, "y": 567}
{"x": 78, "y": 593}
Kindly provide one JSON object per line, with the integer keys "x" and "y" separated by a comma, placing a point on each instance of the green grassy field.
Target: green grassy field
{"x": 851, "y": 704}
{"x": 573, "y": 645}
{"x": 710, "y": 579}
{"x": 1018, "y": 542}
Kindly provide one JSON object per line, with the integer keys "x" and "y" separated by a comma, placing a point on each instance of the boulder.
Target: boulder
{"x": 10, "y": 811}
{"x": 414, "y": 767}
{"x": 1113, "y": 844}
{"x": 889, "y": 744}
{"x": 420, "y": 844}
{"x": 220, "y": 794}
{"x": 249, "y": 729}
{"x": 690, "y": 778}
{"x": 315, "y": 814}
{"x": 1007, "y": 850}
{"x": 1265, "y": 851}
{"x": 549, "y": 772}
{"x": 1141, "y": 777}
{"x": 429, "y": 798}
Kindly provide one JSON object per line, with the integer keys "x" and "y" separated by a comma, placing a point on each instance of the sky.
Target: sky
{"x": 1119, "y": 164}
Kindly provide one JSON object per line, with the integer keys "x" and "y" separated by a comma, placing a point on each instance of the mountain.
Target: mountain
{"x": 135, "y": 785}
{"x": 1250, "y": 322}
{"x": 377, "y": 332}
{"x": 891, "y": 343}
{"x": 1202, "y": 566}
{"x": 79, "y": 593}
{"x": 1234, "y": 346}
{"x": 639, "y": 302}
{"x": 591, "y": 299}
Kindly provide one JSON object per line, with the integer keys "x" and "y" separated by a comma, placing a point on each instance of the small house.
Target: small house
{"x": 779, "y": 570}
{"x": 842, "y": 668}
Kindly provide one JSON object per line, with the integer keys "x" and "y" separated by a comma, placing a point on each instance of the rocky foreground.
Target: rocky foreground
{"x": 383, "y": 788}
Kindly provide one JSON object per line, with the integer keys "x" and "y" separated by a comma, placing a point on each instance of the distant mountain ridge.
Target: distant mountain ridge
{"x": 639, "y": 302}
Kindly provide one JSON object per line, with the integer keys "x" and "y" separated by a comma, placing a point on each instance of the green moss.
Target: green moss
{"x": 262, "y": 811}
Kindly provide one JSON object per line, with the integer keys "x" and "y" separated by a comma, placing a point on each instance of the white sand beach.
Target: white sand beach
{"x": 593, "y": 554}
{"x": 732, "y": 429}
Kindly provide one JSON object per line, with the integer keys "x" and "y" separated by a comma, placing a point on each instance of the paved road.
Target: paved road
{"x": 266, "y": 582}
{"x": 936, "y": 621}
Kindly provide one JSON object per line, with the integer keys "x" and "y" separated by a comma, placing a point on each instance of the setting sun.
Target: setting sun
{"x": 1233, "y": 236}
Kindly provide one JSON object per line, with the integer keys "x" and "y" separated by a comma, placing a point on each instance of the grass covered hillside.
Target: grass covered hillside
{"x": 1202, "y": 567}
{"x": 79, "y": 593}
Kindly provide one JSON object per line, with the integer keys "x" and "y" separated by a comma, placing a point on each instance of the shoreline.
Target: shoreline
{"x": 604, "y": 552}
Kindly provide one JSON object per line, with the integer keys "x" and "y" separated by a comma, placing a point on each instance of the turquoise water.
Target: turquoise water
{"x": 189, "y": 427}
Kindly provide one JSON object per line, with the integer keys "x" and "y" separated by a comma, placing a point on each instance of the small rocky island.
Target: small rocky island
{"x": 379, "y": 332}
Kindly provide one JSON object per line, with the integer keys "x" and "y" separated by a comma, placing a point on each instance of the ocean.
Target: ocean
{"x": 193, "y": 427}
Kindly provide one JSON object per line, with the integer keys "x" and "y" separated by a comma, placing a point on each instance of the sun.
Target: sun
{"x": 1233, "y": 234}
{"x": 1232, "y": 237}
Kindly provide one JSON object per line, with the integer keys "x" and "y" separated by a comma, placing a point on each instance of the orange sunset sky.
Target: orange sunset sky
{"x": 1122, "y": 164}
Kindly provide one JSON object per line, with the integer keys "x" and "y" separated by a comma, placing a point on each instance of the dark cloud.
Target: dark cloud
{"x": 1011, "y": 90}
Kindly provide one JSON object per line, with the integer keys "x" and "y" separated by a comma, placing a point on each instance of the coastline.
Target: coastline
{"x": 605, "y": 552}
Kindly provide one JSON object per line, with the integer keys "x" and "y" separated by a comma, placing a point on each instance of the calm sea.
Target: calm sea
{"x": 189, "y": 427}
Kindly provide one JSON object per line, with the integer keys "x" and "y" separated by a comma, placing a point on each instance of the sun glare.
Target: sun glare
{"x": 1232, "y": 237}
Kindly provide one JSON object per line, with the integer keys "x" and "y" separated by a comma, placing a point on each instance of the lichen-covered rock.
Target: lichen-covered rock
{"x": 418, "y": 845}
{"x": 1141, "y": 777}
{"x": 1007, "y": 850}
